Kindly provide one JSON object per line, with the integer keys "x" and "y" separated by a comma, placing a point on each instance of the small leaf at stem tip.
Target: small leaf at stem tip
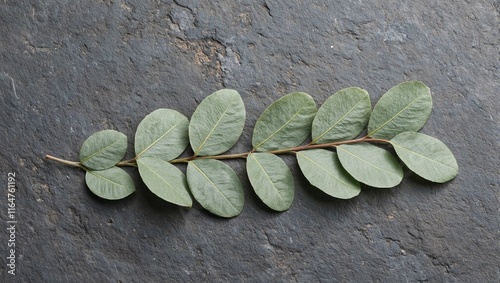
{"x": 370, "y": 164}
{"x": 217, "y": 123}
{"x": 165, "y": 180}
{"x": 102, "y": 150}
{"x": 271, "y": 179}
{"x": 111, "y": 184}
{"x": 286, "y": 123}
{"x": 162, "y": 134}
{"x": 405, "y": 107}
{"x": 323, "y": 170}
{"x": 428, "y": 157}
{"x": 342, "y": 117}
{"x": 216, "y": 187}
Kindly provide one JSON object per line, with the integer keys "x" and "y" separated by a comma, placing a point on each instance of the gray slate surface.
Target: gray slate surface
{"x": 71, "y": 68}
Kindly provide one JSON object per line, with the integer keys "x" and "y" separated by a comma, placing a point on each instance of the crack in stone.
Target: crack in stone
{"x": 176, "y": 2}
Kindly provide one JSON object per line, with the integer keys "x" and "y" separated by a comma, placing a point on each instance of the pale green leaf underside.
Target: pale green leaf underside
{"x": 217, "y": 123}
{"x": 284, "y": 124}
{"x": 165, "y": 180}
{"x": 112, "y": 183}
{"x": 342, "y": 117}
{"x": 323, "y": 170}
{"x": 426, "y": 156}
{"x": 216, "y": 187}
{"x": 271, "y": 179}
{"x": 103, "y": 150}
{"x": 371, "y": 165}
{"x": 162, "y": 134}
{"x": 405, "y": 107}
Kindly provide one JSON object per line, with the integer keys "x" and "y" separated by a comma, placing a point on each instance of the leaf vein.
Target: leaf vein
{"x": 158, "y": 139}
{"x": 365, "y": 161}
{"x": 163, "y": 179}
{"x": 281, "y": 128}
{"x": 268, "y": 177}
{"x": 336, "y": 123}
{"x": 212, "y": 130}
{"x": 324, "y": 169}
{"x": 213, "y": 184}
{"x": 423, "y": 156}
{"x": 396, "y": 115}
{"x": 106, "y": 179}
{"x": 99, "y": 151}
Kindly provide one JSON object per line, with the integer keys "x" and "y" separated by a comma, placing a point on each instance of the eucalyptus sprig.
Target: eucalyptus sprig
{"x": 336, "y": 160}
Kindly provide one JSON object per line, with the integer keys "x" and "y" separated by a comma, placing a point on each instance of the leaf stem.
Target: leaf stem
{"x": 132, "y": 162}
{"x": 327, "y": 145}
{"x": 227, "y": 156}
{"x": 66, "y": 162}
{"x": 281, "y": 151}
{"x": 219, "y": 157}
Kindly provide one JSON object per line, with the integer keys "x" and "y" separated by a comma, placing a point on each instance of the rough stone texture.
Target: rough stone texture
{"x": 70, "y": 68}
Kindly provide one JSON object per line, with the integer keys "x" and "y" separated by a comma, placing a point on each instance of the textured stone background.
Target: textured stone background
{"x": 71, "y": 68}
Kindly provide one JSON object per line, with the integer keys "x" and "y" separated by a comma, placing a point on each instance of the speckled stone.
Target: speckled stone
{"x": 71, "y": 68}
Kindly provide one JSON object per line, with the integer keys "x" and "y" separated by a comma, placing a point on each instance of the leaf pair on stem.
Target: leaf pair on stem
{"x": 334, "y": 161}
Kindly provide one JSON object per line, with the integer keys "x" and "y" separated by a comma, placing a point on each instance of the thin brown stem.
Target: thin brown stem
{"x": 133, "y": 162}
{"x": 63, "y": 161}
{"x": 219, "y": 157}
{"x": 182, "y": 160}
{"x": 327, "y": 145}
{"x": 130, "y": 162}
{"x": 227, "y": 156}
{"x": 278, "y": 151}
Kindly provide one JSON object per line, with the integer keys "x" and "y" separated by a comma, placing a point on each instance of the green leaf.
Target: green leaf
{"x": 284, "y": 124}
{"x": 217, "y": 123}
{"x": 323, "y": 170}
{"x": 426, "y": 156}
{"x": 112, "y": 183}
{"x": 103, "y": 150}
{"x": 370, "y": 164}
{"x": 405, "y": 107}
{"x": 271, "y": 180}
{"x": 216, "y": 187}
{"x": 342, "y": 117}
{"x": 162, "y": 134}
{"x": 165, "y": 180}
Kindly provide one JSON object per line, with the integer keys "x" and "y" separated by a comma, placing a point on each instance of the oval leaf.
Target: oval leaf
{"x": 405, "y": 107}
{"x": 284, "y": 124}
{"x": 217, "y": 123}
{"x": 271, "y": 180}
{"x": 165, "y": 180}
{"x": 371, "y": 165}
{"x": 103, "y": 150}
{"x": 426, "y": 156}
{"x": 323, "y": 170}
{"x": 342, "y": 117}
{"x": 162, "y": 134}
{"x": 112, "y": 183}
{"x": 216, "y": 187}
